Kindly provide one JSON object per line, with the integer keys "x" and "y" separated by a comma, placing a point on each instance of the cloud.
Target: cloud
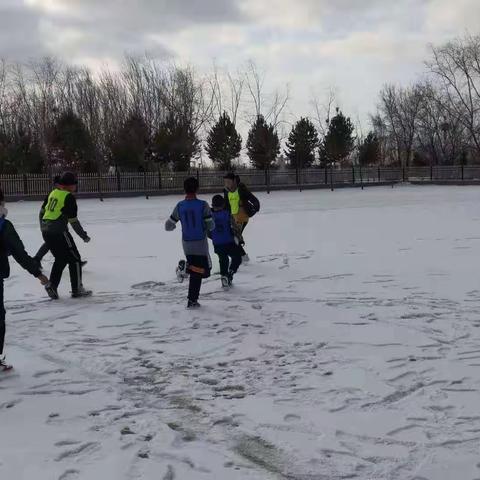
{"x": 352, "y": 44}
{"x": 103, "y": 29}
{"x": 20, "y": 32}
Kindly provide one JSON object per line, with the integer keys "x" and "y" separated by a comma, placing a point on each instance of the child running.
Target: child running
{"x": 43, "y": 250}
{"x": 196, "y": 219}
{"x": 226, "y": 238}
{"x": 10, "y": 244}
{"x": 57, "y": 212}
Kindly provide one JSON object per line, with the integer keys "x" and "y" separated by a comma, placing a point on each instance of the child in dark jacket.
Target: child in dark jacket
{"x": 226, "y": 239}
{"x": 196, "y": 219}
{"x": 10, "y": 244}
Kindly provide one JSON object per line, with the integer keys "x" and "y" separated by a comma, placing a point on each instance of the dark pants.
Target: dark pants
{"x": 242, "y": 229}
{"x": 42, "y": 251}
{"x": 2, "y": 318}
{"x": 225, "y": 253}
{"x": 198, "y": 268}
{"x": 65, "y": 252}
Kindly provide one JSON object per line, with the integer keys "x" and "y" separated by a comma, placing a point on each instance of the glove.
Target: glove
{"x": 86, "y": 239}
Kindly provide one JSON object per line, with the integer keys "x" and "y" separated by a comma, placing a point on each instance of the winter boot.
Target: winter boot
{"x": 4, "y": 366}
{"x": 192, "y": 305}
{"x": 181, "y": 271}
{"x": 51, "y": 291}
{"x": 81, "y": 292}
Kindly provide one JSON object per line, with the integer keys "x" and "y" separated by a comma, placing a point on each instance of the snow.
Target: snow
{"x": 349, "y": 347}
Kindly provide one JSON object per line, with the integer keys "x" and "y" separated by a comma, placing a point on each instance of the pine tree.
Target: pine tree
{"x": 369, "y": 151}
{"x": 71, "y": 144}
{"x": 263, "y": 144}
{"x": 19, "y": 153}
{"x": 302, "y": 143}
{"x": 130, "y": 144}
{"x": 176, "y": 144}
{"x": 339, "y": 141}
{"x": 223, "y": 143}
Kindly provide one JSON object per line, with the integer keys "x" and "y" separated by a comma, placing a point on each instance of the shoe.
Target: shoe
{"x": 83, "y": 263}
{"x": 225, "y": 283}
{"x": 4, "y": 366}
{"x": 181, "y": 271}
{"x": 230, "y": 278}
{"x": 193, "y": 305}
{"x": 51, "y": 291}
{"x": 81, "y": 292}
{"x": 245, "y": 259}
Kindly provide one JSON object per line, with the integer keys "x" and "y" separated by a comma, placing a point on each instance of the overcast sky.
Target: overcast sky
{"x": 354, "y": 45}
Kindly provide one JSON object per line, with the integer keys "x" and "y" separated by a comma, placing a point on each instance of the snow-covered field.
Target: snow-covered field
{"x": 349, "y": 347}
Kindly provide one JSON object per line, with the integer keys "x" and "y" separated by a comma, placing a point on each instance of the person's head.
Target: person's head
{"x": 68, "y": 181}
{"x": 191, "y": 185}
{"x": 218, "y": 202}
{"x": 56, "y": 180}
{"x": 230, "y": 180}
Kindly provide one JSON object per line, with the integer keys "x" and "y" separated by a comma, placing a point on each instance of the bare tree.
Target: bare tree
{"x": 269, "y": 106}
{"x": 323, "y": 110}
{"x": 455, "y": 66}
{"x": 400, "y": 108}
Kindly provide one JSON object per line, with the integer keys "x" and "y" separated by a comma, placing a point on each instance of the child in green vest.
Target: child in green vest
{"x": 43, "y": 250}
{"x": 58, "y": 211}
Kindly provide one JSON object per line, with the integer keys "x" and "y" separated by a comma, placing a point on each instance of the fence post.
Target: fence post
{"x": 99, "y": 186}
{"x": 119, "y": 182}
{"x": 25, "y": 184}
{"x": 268, "y": 180}
{"x": 403, "y": 174}
{"x": 198, "y": 174}
{"x": 297, "y": 180}
{"x": 353, "y": 174}
{"x": 145, "y": 184}
{"x": 361, "y": 177}
{"x": 463, "y": 172}
{"x": 326, "y": 174}
{"x": 331, "y": 178}
{"x": 159, "y": 180}
{"x": 379, "y": 175}
{"x": 431, "y": 173}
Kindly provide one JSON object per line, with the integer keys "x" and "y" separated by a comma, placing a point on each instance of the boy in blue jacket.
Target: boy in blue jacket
{"x": 196, "y": 219}
{"x": 226, "y": 238}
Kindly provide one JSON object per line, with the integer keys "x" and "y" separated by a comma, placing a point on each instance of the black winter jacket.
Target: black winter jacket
{"x": 10, "y": 244}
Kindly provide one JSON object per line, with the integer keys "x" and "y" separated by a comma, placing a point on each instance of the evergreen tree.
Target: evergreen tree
{"x": 19, "y": 153}
{"x": 131, "y": 142}
{"x": 223, "y": 143}
{"x": 71, "y": 144}
{"x": 302, "y": 143}
{"x": 369, "y": 150}
{"x": 263, "y": 144}
{"x": 339, "y": 140}
{"x": 176, "y": 144}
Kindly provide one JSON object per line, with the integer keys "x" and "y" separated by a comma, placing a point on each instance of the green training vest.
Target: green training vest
{"x": 55, "y": 204}
{"x": 234, "y": 200}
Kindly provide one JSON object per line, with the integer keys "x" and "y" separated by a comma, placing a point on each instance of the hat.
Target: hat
{"x": 230, "y": 176}
{"x": 218, "y": 201}
{"x": 68, "y": 179}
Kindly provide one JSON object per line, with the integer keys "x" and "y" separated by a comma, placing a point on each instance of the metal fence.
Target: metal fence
{"x": 150, "y": 183}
